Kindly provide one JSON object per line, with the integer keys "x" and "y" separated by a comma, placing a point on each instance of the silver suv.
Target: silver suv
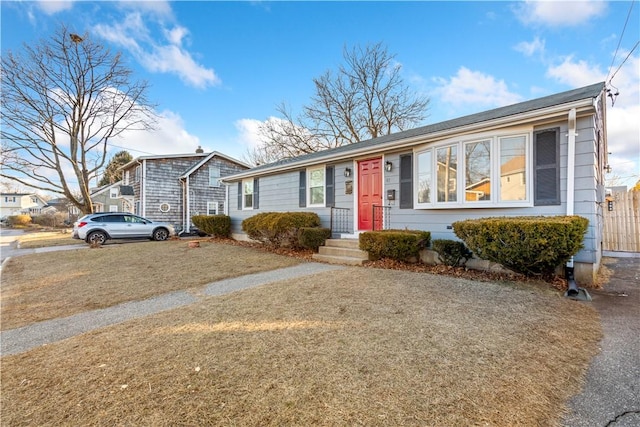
{"x": 100, "y": 227}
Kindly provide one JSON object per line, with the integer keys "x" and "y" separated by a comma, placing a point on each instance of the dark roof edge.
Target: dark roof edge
{"x": 583, "y": 93}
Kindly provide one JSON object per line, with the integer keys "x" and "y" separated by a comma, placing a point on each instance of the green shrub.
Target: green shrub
{"x": 279, "y": 228}
{"x": 313, "y": 238}
{"x": 532, "y": 246}
{"x": 213, "y": 225}
{"x": 21, "y": 220}
{"x": 401, "y": 245}
{"x": 451, "y": 252}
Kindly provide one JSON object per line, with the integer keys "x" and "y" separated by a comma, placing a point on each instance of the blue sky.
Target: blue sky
{"x": 218, "y": 69}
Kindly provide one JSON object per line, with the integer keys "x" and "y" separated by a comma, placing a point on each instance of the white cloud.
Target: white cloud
{"x": 558, "y": 13}
{"x": 575, "y": 73}
{"x": 156, "y": 55}
{"x": 474, "y": 89}
{"x": 51, "y": 7}
{"x": 623, "y": 127}
{"x": 249, "y": 132}
{"x": 168, "y": 137}
{"x": 531, "y": 48}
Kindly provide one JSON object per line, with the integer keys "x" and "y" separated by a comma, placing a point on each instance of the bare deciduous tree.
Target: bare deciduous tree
{"x": 63, "y": 100}
{"x": 366, "y": 98}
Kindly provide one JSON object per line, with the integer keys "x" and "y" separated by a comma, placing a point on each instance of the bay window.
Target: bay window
{"x": 476, "y": 172}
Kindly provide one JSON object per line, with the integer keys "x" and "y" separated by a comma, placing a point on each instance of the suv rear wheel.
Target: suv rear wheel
{"x": 161, "y": 234}
{"x": 97, "y": 237}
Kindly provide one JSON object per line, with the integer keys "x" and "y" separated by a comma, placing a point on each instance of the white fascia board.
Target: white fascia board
{"x": 557, "y": 111}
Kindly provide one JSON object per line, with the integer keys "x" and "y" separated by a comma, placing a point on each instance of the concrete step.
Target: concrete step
{"x": 334, "y": 259}
{"x": 343, "y": 243}
{"x": 343, "y": 251}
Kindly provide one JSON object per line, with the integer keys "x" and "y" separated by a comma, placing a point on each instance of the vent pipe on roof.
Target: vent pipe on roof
{"x": 199, "y": 150}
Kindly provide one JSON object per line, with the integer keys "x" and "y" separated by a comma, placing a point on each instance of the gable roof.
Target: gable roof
{"x": 209, "y": 157}
{"x": 581, "y": 97}
{"x": 205, "y": 158}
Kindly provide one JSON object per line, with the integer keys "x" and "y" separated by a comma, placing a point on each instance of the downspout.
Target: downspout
{"x": 182, "y": 200}
{"x": 187, "y": 208}
{"x": 572, "y": 287}
{"x": 144, "y": 189}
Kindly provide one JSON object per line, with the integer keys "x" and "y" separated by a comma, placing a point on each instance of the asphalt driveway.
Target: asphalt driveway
{"x": 611, "y": 396}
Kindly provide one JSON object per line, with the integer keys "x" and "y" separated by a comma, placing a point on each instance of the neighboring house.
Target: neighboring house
{"x": 21, "y": 203}
{"x": 173, "y": 188}
{"x": 64, "y": 206}
{"x": 114, "y": 197}
{"x": 545, "y": 156}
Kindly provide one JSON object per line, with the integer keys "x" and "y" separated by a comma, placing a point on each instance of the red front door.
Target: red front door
{"x": 369, "y": 191}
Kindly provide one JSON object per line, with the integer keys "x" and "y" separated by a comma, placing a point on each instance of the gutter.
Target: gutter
{"x": 398, "y": 144}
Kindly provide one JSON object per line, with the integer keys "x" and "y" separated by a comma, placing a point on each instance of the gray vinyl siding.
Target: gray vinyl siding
{"x": 279, "y": 193}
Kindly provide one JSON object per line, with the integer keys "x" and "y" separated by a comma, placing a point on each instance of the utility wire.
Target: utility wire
{"x": 620, "y": 41}
{"x": 625, "y": 60}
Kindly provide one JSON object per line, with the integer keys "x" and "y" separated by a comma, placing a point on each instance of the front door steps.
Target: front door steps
{"x": 341, "y": 251}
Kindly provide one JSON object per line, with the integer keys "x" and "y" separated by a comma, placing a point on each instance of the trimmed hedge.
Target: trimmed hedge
{"x": 313, "y": 238}
{"x": 213, "y": 225}
{"x": 532, "y": 246}
{"x": 279, "y": 228}
{"x": 451, "y": 252}
{"x": 401, "y": 245}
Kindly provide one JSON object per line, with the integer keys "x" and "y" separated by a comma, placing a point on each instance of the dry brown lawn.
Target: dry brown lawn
{"x": 42, "y": 239}
{"x": 57, "y": 284}
{"x": 360, "y": 346}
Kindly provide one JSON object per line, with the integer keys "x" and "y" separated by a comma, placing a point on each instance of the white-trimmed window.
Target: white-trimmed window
{"x": 126, "y": 177}
{"x": 212, "y": 208}
{"x": 214, "y": 176}
{"x": 137, "y": 174}
{"x": 113, "y": 193}
{"x": 113, "y": 208}
{"x": 316, "y": 186}
{"x": 247, "y": 194}
{"x": 479, "y": 171}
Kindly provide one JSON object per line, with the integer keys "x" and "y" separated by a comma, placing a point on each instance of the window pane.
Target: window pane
{"x": 424, "y": 177}
{"x": 317, "y": 196}
{"x": 513, "y": 168}
{"x": 316, "y": 186}
{"x": 477, "y": 156}
{"x": 214, "y": 175}
{"x": 248, "y": 193}
{"x": 316, "y": 178}
{"x": 447, "y": 173}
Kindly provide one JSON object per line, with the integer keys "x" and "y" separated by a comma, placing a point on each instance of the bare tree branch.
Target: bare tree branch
{"x": 366, "y": 98}
{"x": 63, "y": 100}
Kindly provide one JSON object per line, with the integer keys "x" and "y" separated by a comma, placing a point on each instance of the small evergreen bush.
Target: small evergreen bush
{"x": 213, "y": 225}
{"x": 532, "y": 246}
{"x": 451, "y": 252}
{"x": 313, "y": 238}
{"x": 279, "y": 228}
{"x": 400, "y": 245}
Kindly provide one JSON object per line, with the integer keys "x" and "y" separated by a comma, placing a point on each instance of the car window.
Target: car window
{"x": 134, "y": 219}
{"x": 113, "y": 218}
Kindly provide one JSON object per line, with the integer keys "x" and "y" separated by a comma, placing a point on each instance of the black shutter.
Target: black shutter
{"x": 302, "y": 199}
{"x": 256, "y": 191}
{"x": 546, "y": 160}
{"x": 330, "y": 196}
{"x": 406, "y": 181}
{"x": 240, "y": 196}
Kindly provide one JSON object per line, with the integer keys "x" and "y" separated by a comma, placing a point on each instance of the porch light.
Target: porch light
{"x": 347, "y": 172}
{"x": 388, "y": 166}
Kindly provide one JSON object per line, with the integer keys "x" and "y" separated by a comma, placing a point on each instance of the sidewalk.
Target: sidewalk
{"x": 22, "y": 339}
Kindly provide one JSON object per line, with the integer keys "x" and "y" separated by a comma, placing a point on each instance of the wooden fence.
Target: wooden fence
{"x": 622, "y": 224}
